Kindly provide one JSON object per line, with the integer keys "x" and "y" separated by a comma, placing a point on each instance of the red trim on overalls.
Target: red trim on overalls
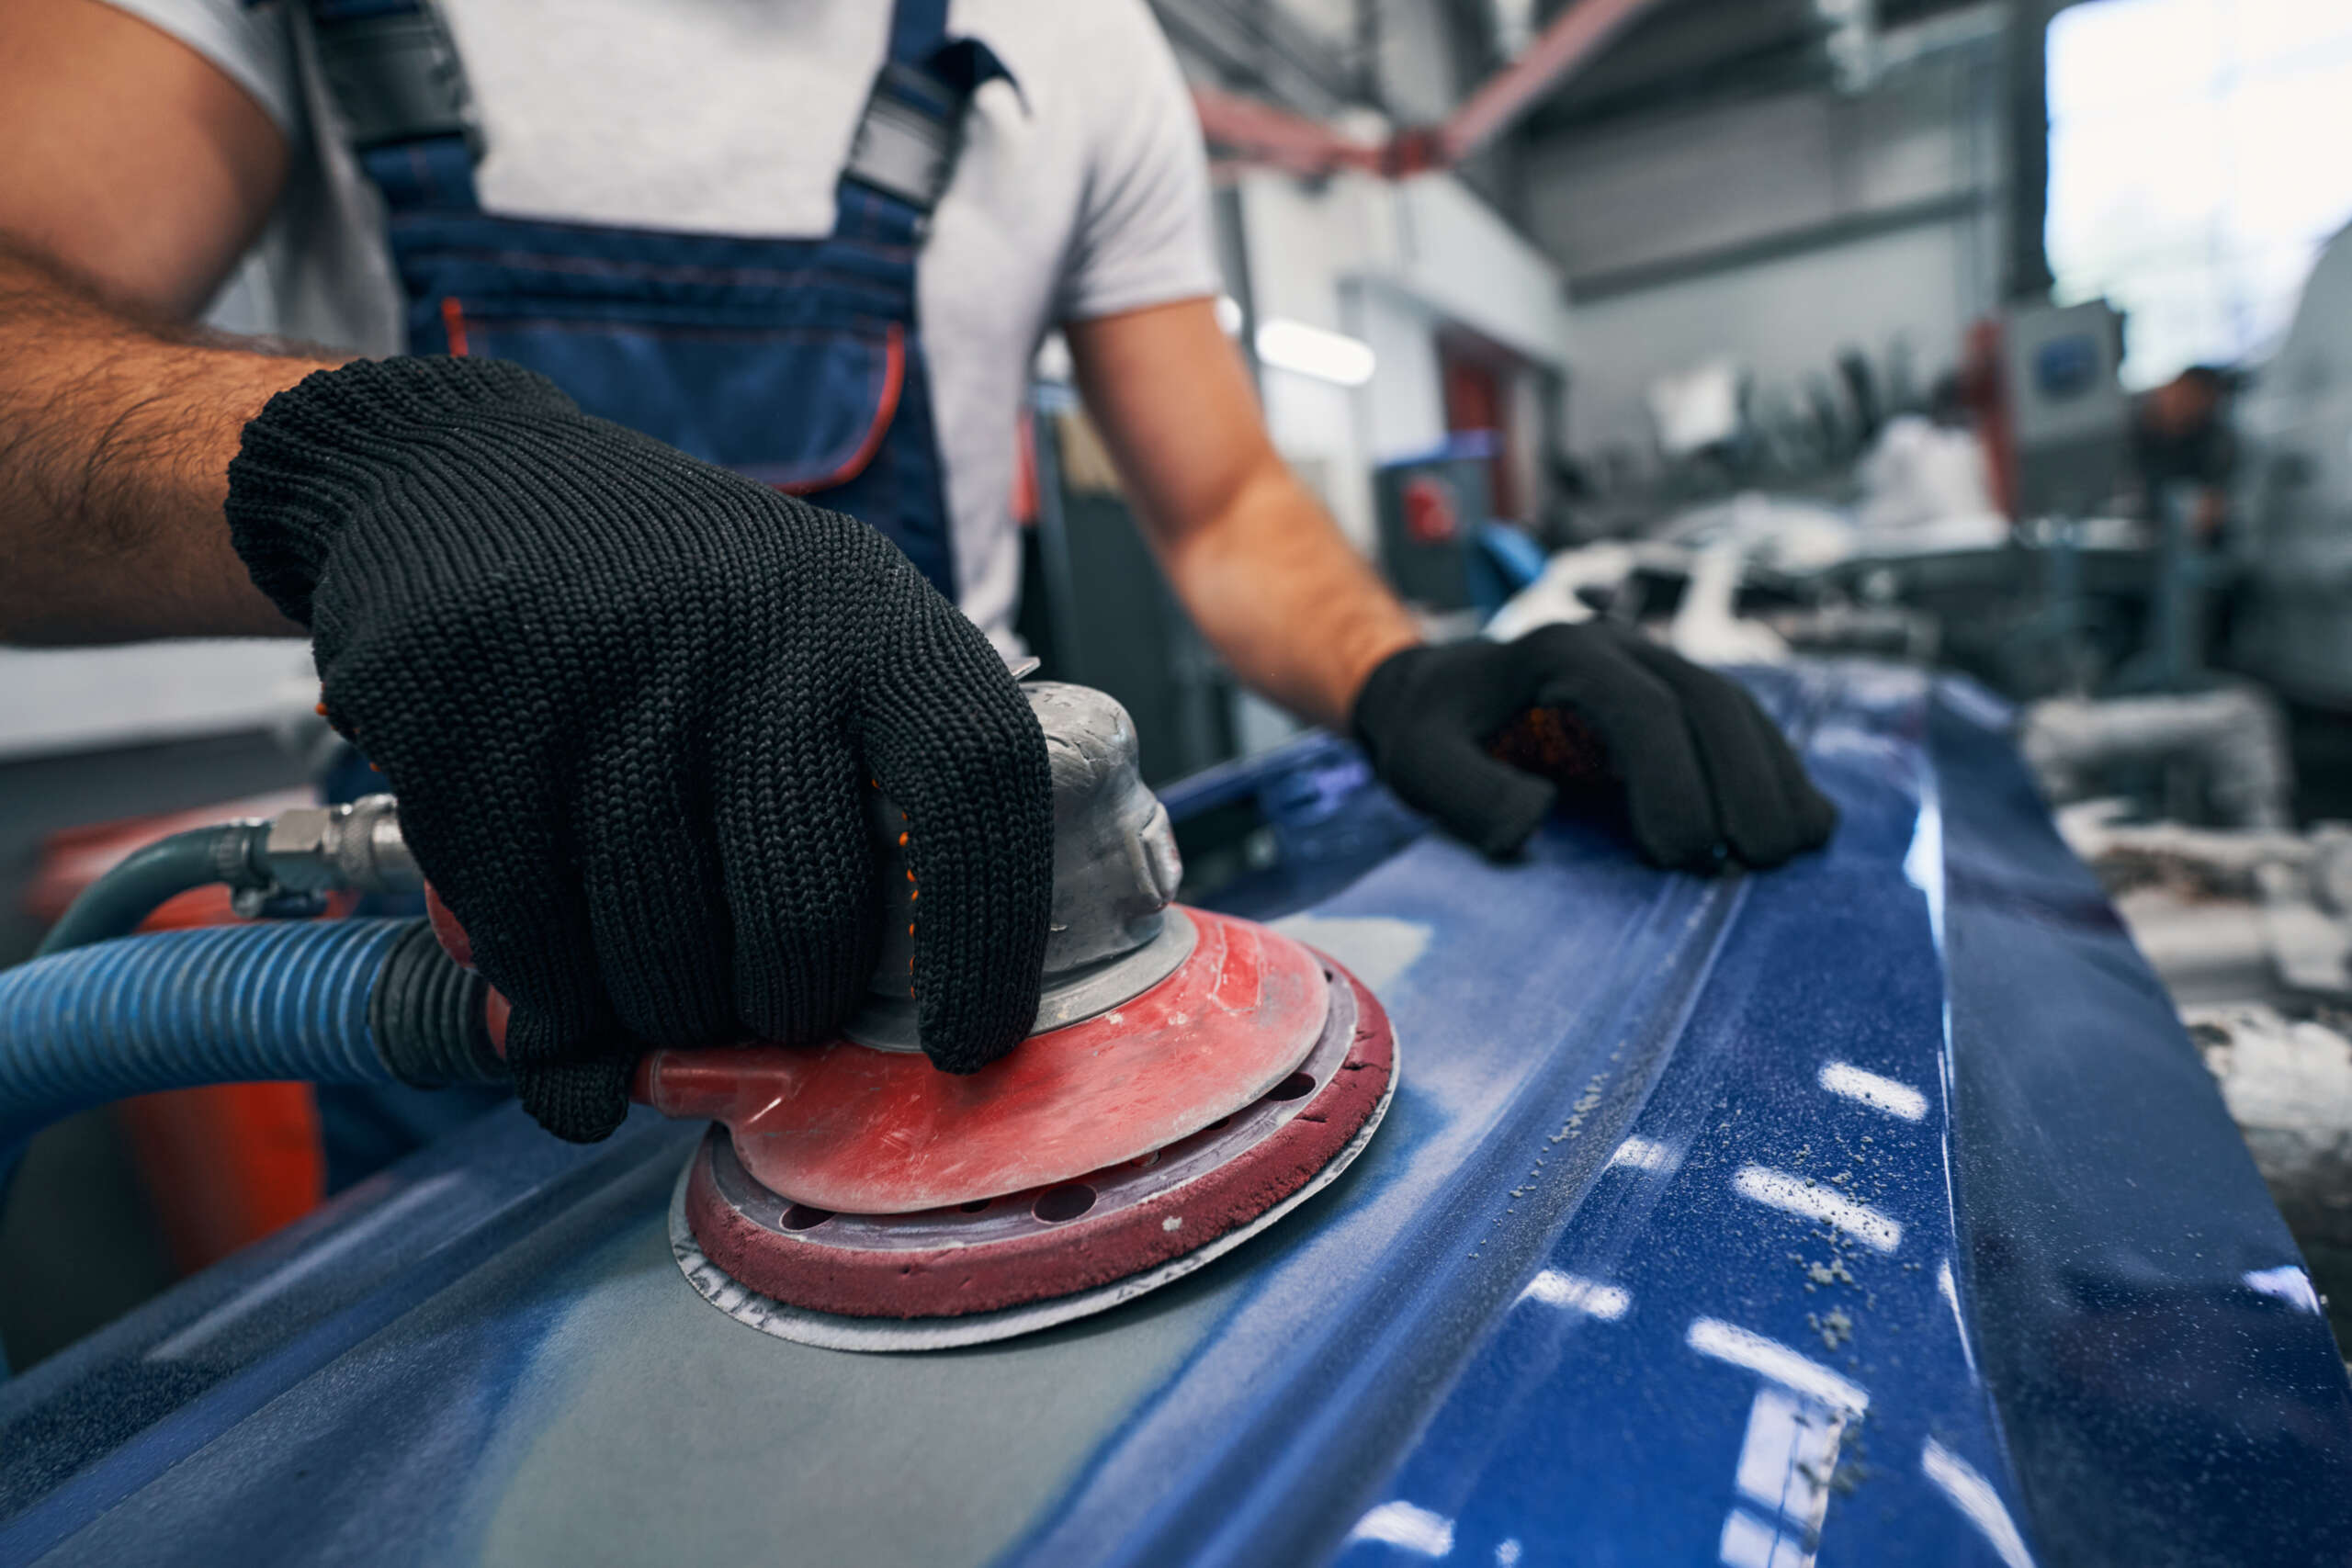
{"x": 894, "y": 376}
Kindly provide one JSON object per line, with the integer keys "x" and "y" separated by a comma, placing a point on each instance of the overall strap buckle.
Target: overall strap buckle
{"x": 394, "y": 72}
{"x": 913, "y": 126}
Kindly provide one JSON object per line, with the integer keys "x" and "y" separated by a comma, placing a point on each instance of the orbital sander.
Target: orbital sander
{"x": 1191, "y": 1079}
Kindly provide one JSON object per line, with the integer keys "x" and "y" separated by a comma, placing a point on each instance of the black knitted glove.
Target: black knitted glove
{"x": 1684, "y": 756}
{"x": 631, "y": 704}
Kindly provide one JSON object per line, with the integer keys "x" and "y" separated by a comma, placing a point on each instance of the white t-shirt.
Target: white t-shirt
{"x": 1081, "y": 194}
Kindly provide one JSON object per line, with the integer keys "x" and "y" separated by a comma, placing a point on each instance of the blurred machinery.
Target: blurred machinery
{"x": 1431, "y": 506}
{"x": 2185, "y": 690}
{"x": 2068, "y": 417}
{"x": 2251, "y": 931}
{"x": 2293, "y": 541}
{"x": 1440, "y": 546}
{"x": 2296, "y": 496}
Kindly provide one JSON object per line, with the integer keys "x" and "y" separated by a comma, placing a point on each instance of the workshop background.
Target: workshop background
{"x": 1776, "y": 327}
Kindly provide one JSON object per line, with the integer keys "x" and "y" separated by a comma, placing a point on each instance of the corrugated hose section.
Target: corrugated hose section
{"x": 224, "y": 1004}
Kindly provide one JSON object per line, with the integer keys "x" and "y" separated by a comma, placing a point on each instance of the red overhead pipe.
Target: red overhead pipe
{"x": 1580, "y": 31}
{"x": 1250, "y": 130}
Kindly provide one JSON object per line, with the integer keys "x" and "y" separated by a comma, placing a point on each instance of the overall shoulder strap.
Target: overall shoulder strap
{"x": 917, "y": 27}
{"x": 904, "y": 152}
{"x": 391, "y": 69}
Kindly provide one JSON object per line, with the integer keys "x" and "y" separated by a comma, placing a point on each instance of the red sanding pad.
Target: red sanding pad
{"x": 854, "y": 1130}
{"x": 1075, "y": 1235}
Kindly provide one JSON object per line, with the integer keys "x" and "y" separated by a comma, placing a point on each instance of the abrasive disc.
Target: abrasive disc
{"x": 989, "y": 1270}
{"x": 854, "y": 1130}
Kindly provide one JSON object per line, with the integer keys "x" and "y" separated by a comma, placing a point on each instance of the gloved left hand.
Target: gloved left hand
{"x": 1484, "y": 736}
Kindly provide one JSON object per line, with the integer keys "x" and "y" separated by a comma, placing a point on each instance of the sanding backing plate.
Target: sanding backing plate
{"x": 969, "y": 1274}
{"x": 854, "y": 1130}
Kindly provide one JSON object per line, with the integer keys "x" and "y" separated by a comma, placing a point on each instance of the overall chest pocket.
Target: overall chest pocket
{"x": 783, "y": 360}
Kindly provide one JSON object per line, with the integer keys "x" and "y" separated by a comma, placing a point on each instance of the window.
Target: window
{"x": 2201, "y": 153}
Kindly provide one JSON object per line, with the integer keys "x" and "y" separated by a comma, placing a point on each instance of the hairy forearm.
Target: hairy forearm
{"x": 1278, "y": 592}
{"x": 114, "y": 440}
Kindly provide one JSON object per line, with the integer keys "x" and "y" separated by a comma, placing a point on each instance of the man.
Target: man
{"x": 2180, "y": 435}
{"x": 631, "y": 700}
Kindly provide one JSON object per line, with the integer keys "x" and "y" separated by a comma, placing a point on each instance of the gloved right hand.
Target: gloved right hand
{"x": 1487, "y": 736}
{"x": 631, "y": 704}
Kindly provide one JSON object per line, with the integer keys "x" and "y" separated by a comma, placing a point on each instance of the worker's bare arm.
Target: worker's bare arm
{"x": 1265, "y": 572}
{"x": 137, "y": 173}
{"x": 115, "y": 441}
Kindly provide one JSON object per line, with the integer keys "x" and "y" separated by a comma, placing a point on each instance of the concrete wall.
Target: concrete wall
{"x": 1776, "y": 232}
{"x": 1420, "y": 80}
{"x": 1403, "y": 404}
{"x": 1448, "y": 247}
{"x": 1670, "y": 188}
{"x": 1782, "y": 321}
{"x": 1391, "y": 264}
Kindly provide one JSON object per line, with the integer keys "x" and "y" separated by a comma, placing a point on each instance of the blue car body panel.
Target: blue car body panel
{"x": 1876, "y": 1210}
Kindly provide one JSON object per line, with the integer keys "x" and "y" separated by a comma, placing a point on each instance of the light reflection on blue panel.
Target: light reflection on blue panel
{"x": 1771, "y": 1359}
{"x": 1873, "y": 1089}
{"x": 1406, "y": 1526}
{"x": 1923, "y": 863}
{"x": 1643, "y": 1153}
{"x": 1974, "y": 1496}
{"x": 1573, "y": 1292}
{"x": 1809, "y": 1199}
{"x": 2286, "y": 1283}
{"x": 1749, "y": 1542}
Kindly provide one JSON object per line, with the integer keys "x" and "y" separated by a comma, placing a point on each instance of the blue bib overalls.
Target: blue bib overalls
{"x": 798, "y": 363}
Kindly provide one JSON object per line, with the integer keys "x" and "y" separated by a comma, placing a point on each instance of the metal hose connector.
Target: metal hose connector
{"x": 282, "y": 867}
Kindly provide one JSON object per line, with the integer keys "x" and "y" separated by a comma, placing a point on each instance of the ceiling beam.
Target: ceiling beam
{"x": 1248, "y": 129}
{"x": 1571, "y": 39}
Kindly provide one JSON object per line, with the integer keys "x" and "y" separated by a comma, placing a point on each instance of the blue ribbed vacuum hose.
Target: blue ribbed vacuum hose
{"x": 90, "y": 1020}
{"x": 329, "y": 1002}
{"x": 219, "y": 1004}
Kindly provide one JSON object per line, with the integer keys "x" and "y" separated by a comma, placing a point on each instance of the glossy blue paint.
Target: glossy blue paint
{"x": 2067, "y": 1326}
{"x": 1876, "y": 1210}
